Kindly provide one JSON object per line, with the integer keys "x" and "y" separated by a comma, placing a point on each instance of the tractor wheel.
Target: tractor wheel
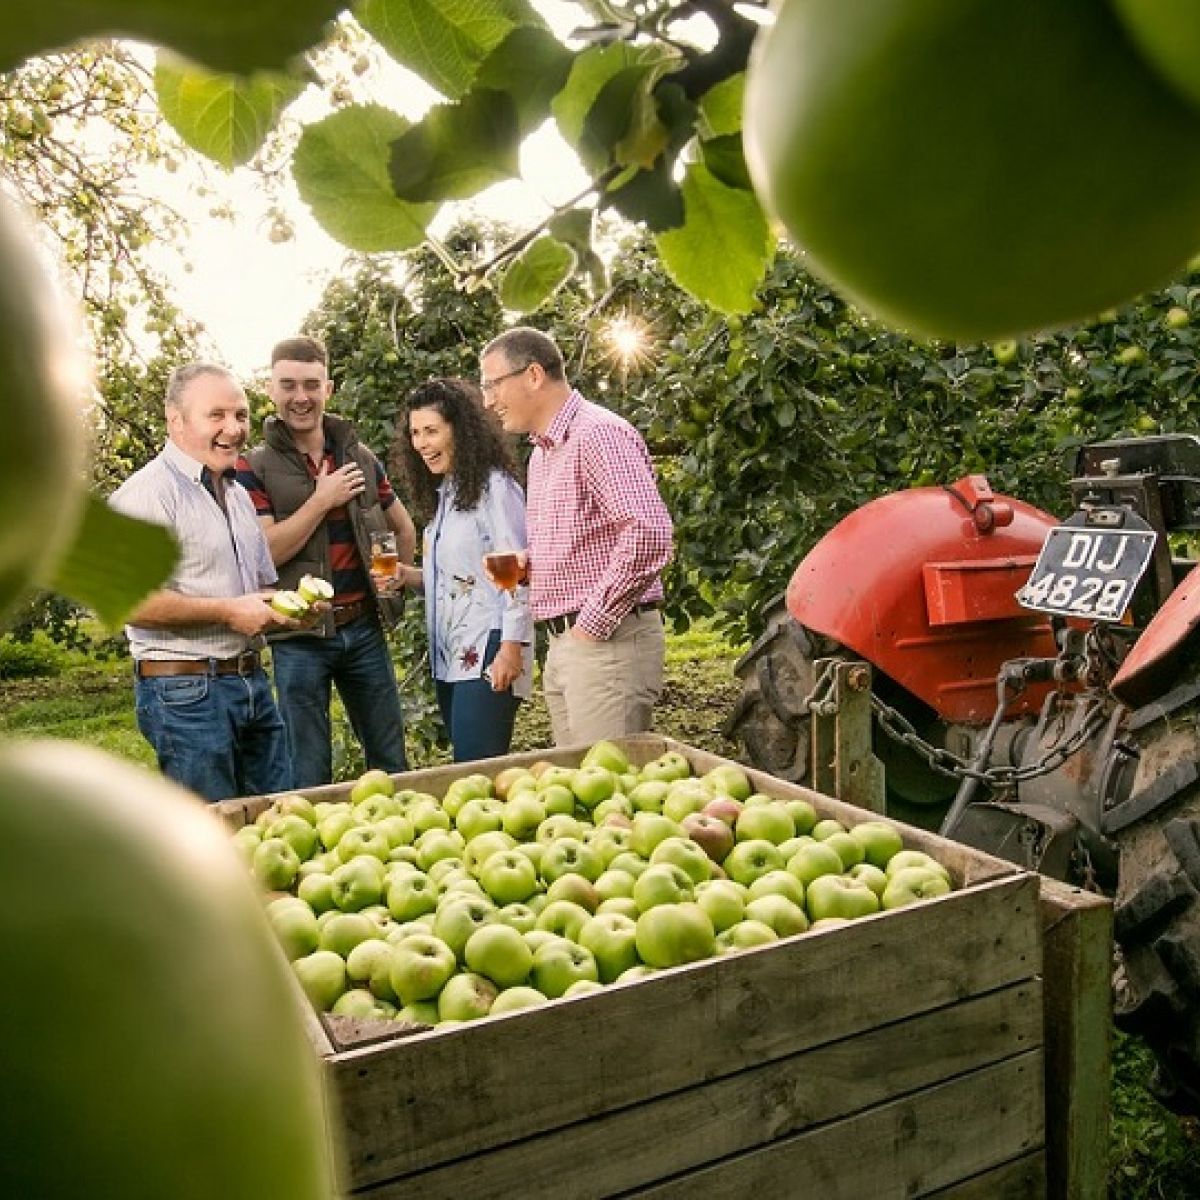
{"x": 777, "y": 674}
{"x": 1157, "y": 915}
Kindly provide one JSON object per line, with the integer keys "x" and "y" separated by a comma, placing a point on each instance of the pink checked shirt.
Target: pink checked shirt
{"x": 599, "y": 533}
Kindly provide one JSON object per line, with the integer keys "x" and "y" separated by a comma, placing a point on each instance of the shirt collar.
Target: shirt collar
{"x": 559, "y": 429}
{"x": 195, "y": 471}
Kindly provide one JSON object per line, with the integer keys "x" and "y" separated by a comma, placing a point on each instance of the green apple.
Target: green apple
{"x": 479, "y": 815}
{"x": 722, "y": 900}
{"x": 849, "y": 849}
{"x": 570, "y": 856}
{"x": 358, "y": 883}
{"x": 558, "y": 964}
{"x": 370, "y": 782}
{"x": 466, "y": 997}
{"x": 293, "y": 804}
{"x": 421, "y": 965}
{"x": 514, "y": 999}
{"x": 428, "y": 815}
{"x": 871, "y": 875}
{"x": 434, "y": 845}
{"x": 648, "y": 830}
{"x": 839, "y": 896}
{"x": 685, "y": 796}
{"x": 521, "y": 917}
{"x": 483, "y": 845}
{"x": 275, "y": 864}
{"x": 322, "y": 975}
{"x": 500, "y": 953}
{"x": 606, "y": 754}
{"x": 778, "y": 883}
{"x": 505, "y": 780}
{"x": 617, "y": 805}
{"x": 625, "y": 905}
{"x": 915, "y": 858}
{"x": 729, "y": 779}
{"x": 583, "y": 987}
{"x": 826, "y": 828}
{"x": 612, "y": 939}
{"x": 610, "y": 840}
{"x": 613, "y": 883}
{"x": 667, "y": 766}
{"x": 410, "y": 895}
{"x": 289, "y": 604}
{"x": 522, "y": 815}
{"x": 813, "y": 860}
{"x": 591, "y": 785}
{"x": 685, "y": 853}
{"x": 398, "y": 830}
{"x": 910, "y": 884}
{"x": 1167, "y": 32}
{"x": 780, "y": 913}
{"x": 576, "y": 888}
{"x": 247, "y": 840}
{"x": 535, "y": 939}
{"x": 764, "y": 822}
{"x": 377, "y": 806}
{"x": 457, "y": 919}
{"x": 332, "y": 827}
{"x": 442, "y": 871}
{"x": 803, "y": 814}
{"x": 560, "y": 825}
{"x": 629, "y": 862}
{"x": 509, "y": 877}
{"x": 295, "y": 925}
{"x": 745, "y": 935}
{"x": 750, "y": 859}
{"x": 313, "y": 588}
{"x": 363, "y": 839}
{"x": 342, "y": 931}
{"x": 297, "y": 832}
{"x": 880, "y": 842}
{"x": 660, "y": 884}
{"x": 563, "y": 917}
{"x": 649, "y": 794}
{"x": 359, "y": 1004}
{"x": 367, "y": 958}
{"x": 419, "y": 1012}
{"x": 671, "y": 934}
{"x": 317, "y": 892}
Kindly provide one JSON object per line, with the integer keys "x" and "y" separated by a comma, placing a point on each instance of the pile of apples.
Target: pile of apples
{"x": 549, "y": 881}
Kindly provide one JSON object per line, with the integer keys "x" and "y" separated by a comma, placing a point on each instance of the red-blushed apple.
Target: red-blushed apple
{"x": 567, "y": 855}
{"x": 504, "y": 779}
{"x": 871, "y": 875}
{"x": 457, "y": 919}
{"x": 421, "y": 965}
{"x": 669, "y": 935}
{"x": 778, "y": 883}
{"x": 357, "y": 883}
{"x": 520, "y": 916}
{"x": 369, "y": 783}
{"x": 648, "y": 830}
{"x": 466, "y": 997}
{"x": 479, "y": 815}
{"x": 613, "y": 883}
{"x": 483, "y": 845}
{"x": 536, "y": 769}
{"x": 839, "y": 896}
{"x": 578, "y": 889}
{"x": 275, "y": 864}
{"x": 764, "y": 822}
{"x": 880, "y": 842}
{"x": 750, "y": 859}
{"x": 625, "y": 905}
{"x": 648, "y": 795}
{"x": 411, "y": 895}
{"x": 722, "y": 899}
{"x": 612, "y": 939}
{"x": 322, "y": 975}
{"x": 500, "y": 953}
{"x": 685, "y": 853}
{"x": 607, "y": 754}
{"x": 916, "y": 858}
{"x": 744, "y": 936}
{"x": 910, "y": 884}
{"x": 514, "y": 999}
{"x": 560, "y": 825}
{"x": 850, "y": 850}
{"x": 558, "y": 964}
{"x": 710, "y": 833}
{"x": 509, "y": 877}
{"x": 730, "y": 779}
{"x": 661, "y": 884}
{"x": 783, "y": 916}
{"x": 295, "y": 925}
{"x": 523, "y": 813}
{"x": 685, "y": 796}
{"x": 813, "y": 860}
{"x": 343, "y": 931}
{"x": 563, "y": 917}
{"x": 724, "y": 808}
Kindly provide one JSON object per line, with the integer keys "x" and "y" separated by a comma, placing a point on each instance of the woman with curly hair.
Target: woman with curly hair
{"x": 462, "y": 479}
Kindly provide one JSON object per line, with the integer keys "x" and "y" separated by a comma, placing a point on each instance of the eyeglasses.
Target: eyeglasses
{"x": 490, "y": 385}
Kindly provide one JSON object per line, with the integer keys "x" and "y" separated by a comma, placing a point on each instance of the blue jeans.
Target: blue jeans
{"x": 356, "y": 659}
{"x": 220, "y": 735}
{"x": 479, "y": 720}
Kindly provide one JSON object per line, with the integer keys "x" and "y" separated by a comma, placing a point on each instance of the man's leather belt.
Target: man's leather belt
{"x": 241, "y": 664}
{"x": 559, "y": 625}
{"x": 343, "y": 614}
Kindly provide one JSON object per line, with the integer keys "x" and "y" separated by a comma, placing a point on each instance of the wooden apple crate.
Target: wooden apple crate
{"x": 957, "y": 1048}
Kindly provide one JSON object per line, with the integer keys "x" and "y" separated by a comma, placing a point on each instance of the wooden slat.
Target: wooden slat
{"x": 527, "y": 1072}
{"x": 687, "y": 1129}
{"x": 1077, "y": 968}
{"x": 905, "y": 1148}
{"x": 1022, "y": 1179}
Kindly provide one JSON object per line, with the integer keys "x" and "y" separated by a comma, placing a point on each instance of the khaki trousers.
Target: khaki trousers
{"x": 606, "y": 689}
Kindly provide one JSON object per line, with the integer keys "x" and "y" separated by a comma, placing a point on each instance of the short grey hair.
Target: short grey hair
{"x": 181, "y": 377}
{"x": 523, "y": 345}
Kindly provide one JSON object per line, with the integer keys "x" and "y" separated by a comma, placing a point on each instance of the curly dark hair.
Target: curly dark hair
{"x": 480, "y": 446}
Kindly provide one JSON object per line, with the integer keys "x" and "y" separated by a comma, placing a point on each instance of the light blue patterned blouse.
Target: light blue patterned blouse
{"x": 461, "y": 606}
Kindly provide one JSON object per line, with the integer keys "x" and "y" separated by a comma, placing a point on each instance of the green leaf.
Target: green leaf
{"x": 724, "y": 157}
{"x": 721, "y": 107}
{"x": 226, "y": 117}
{"x": 443, "y": 41}
{"x": 113, "y": 563}
{"x": 226, "y": 35}
{"x": 573, "y": 227}
{"x": 721, "y": 252}
{"x": 531, "y": 65}
{"x": 341, "y": 170}
{"x": 458, "y": 149}
{"x": 541, "y": 270}
{"x": 649, "y": 197}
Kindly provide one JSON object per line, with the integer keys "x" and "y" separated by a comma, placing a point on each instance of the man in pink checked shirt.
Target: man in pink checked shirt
{"x": 599, "y": 538}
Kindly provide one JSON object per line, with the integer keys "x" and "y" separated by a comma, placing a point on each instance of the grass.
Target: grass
{"x": 1153, "y": 1155}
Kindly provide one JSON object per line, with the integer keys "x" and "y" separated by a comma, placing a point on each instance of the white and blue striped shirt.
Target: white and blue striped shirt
{"x": 221, "y": 553}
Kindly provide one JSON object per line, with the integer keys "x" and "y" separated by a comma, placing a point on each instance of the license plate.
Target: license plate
{"x": 1087, "y": 569}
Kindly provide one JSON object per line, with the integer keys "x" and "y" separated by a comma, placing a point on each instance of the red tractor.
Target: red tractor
{"x": 1031, "y": 687}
